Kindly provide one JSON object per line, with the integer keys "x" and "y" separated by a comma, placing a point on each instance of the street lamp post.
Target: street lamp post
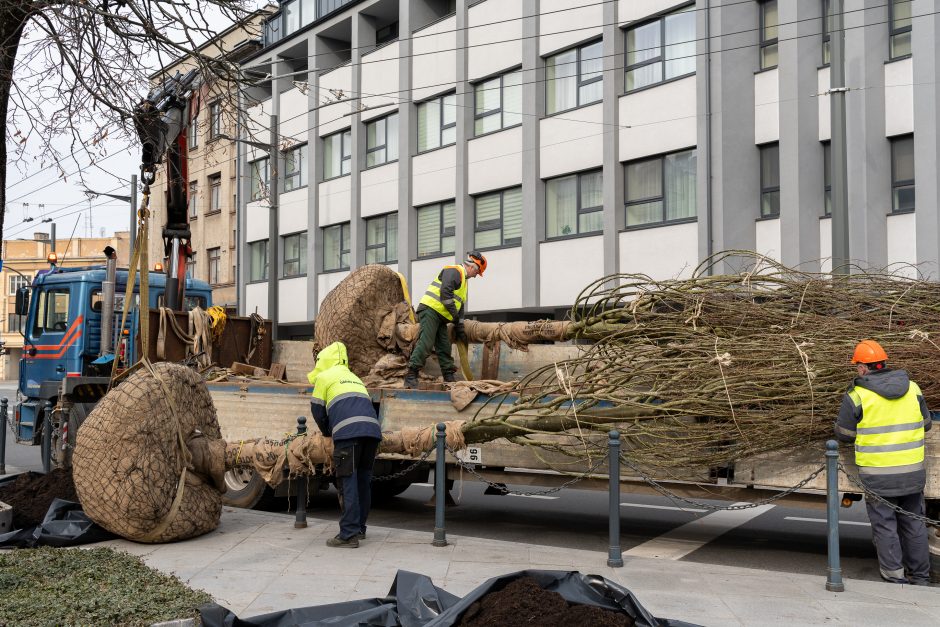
{"x": 132, "y": 199}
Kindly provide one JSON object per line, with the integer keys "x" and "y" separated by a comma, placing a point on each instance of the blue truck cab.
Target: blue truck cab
{"x": 62, "y": 341}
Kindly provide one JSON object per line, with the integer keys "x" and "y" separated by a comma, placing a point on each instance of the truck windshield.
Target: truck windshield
{"x": 52, "y": 313}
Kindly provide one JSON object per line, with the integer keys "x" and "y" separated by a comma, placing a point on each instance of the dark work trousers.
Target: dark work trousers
{"x": 432, "y": 335}
{"x": 901, "y": 541}
{"x": 353, "y": 460}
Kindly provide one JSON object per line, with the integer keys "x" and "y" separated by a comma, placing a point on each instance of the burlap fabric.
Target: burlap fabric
{"x": 132, "y": 451}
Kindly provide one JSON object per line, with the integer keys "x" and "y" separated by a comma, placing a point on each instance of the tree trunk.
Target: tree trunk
{"x": 13, "y": 17}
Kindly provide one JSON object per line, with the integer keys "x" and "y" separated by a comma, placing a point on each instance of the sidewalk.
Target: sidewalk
{"x": 256, "y": 563}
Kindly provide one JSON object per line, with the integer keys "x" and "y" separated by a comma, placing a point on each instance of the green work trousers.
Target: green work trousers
{"x": 432, "y": 336}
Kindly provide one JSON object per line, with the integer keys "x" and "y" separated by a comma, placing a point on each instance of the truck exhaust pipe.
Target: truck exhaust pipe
{"x": 107, "y": 303}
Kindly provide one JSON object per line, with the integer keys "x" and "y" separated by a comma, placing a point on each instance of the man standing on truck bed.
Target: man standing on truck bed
{"x": 343, "y": 410}
{"x": 885, "y": 414}
{"x": 444, "y": 301}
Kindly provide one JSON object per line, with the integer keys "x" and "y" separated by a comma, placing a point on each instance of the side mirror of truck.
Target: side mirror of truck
{"x": 22, "y": 301}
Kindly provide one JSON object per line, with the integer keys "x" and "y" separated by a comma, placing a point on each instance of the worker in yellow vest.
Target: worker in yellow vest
{"x": 445, "y": 301}
{"x": 885, "y": 414}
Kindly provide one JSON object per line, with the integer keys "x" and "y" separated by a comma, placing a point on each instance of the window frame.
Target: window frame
{"x": 191, "y": 265}
{"x": 896, "y": 184}
{"x": 300, "y": 260}
{"x": 265, "y": 270}
{"x": 215, "y": 193}
{"x": 15, "y": 322}
{"x": 502, "y": 99}
{"x": 384, "y": 146}
{"x": 345, "y": 161}
{"x": 216, "y": 260}
{"x": 192, "y": 200}
{"x": 894, "y": 31}
{"x": 193, "y": 132}
{"x": 579, "y": 210}
{"x": 384, "y": 245}
{"x": 439, "y": 99}
{"x": 42, "y": 307}
{"x": 342, "y": 226}
{"x": 662, "y": 192}
{"x": 215, "y": 120}
{"x": 440, "y": 252}
{"x": 17, "y": 281}
{"x": 770, "y": 189}
{"x": 263, "y": 183}
{"x": 578, "y": 82}
{"x": 661, "y": 58}
{"x": 502, "y": 219}
{"x": 769, "y": 42}
{"x": 826, "y": 33}
{"x": 827, "y": 179}
{"x": 300, "y": 174}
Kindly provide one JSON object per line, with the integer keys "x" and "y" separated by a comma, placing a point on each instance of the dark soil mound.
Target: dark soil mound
{"x": 523, "y": 603}
{"x": 32, "y": 493}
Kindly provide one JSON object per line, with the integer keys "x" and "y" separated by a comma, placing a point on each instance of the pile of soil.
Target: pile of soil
{"x": 32, "y": 493}
{"x": 524, "y": 603}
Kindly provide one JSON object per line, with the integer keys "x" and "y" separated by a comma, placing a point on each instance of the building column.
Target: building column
{"x": 464, "y": 227}
{"x": 407, "y": 144}
{"x": 314, "y": 170}
{"x": 363, "y": 40}
{"x": 243, "y": 183}
{"x": 614, "y": 214}
{"x": 925, "y": 48}
{"x": 533, "y": 192}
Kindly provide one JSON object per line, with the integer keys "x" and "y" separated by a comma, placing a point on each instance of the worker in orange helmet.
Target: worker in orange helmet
{"x": 444, "y": 301}
{"x": 885, "y": 415}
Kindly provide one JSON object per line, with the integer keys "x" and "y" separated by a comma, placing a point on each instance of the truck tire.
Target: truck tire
{"x": 385, "y": 490}
{"x": 243, "y": 488}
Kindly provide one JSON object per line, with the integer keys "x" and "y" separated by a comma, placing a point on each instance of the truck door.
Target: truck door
{"x": 53, "y": 330}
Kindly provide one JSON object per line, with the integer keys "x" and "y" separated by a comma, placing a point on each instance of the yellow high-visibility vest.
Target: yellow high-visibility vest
{"x": 891, "y": 432}
{"x": 432, "y": 296}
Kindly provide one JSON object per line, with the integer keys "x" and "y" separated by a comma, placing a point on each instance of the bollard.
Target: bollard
{"x": 834, "y": 571}
{"x": 300, "y": 512}
{"x": 3, "y": 435}
{"x": 440, "y": 488}
{"x": 614, "y": 555}
{"x": 46, "y": 448}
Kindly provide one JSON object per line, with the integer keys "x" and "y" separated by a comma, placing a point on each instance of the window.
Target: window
{"x": 258, "y": 260}
{"x": 295, "y": 255}
{"x": 827, "y": 23}
{"x": 215, "y": 193}
{"x": 17, "y": 281}
{"x": 661, "y": 50}
{"x": 215, "y": 120}
{"x": 574, "y": 78}
{"x": 193, "y": 190}
{"x": 498, "y": 103}
{"x": 215, "y": 260}
{"x": 827, "y": 179}
{"x": 295, "y": 168}
{"x": 382, "y": 140}
{"x": 258, "y": 170}
{"x": 336, "y": 247}
{"x": 191, "y": 266}
{"x": 52, "y": 313}
{"x": 900, "y": 18}
{"x": 770, "y": 181}
{"x": 661, "y": 189}
{"x": 902, "y": 174}
{"x": 382, "y": 239}
{"x": 498, "y": 219}
{"x": 14, "y": 323}
{"x": 574, "y": 205}
{"x": 386, "y": 33}
{"x": 437, "y": 122}
{"x": 436, "y": 227}
{"x": 337, "y": 154}
{"x": 769, "y": 20}
{"x": 193, "y": 132}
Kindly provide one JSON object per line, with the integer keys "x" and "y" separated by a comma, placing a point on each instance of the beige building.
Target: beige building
{"x": 211, "y": 166}
{"x": 23, "y": 258}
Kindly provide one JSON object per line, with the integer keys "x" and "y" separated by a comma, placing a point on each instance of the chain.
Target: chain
{"x": 405, "y": 471}
{"x": 875, "y": 497}
{"x": 502, "y": 488}
{"x": 672, "y": 495}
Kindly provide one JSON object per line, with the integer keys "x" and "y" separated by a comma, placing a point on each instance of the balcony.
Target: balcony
{"x": 295, "y": 14}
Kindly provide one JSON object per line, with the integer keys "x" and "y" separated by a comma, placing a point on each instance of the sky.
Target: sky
{"x": 38, "y": 193}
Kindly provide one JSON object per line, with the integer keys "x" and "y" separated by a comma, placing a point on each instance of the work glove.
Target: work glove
{"x": 460, "y": 334}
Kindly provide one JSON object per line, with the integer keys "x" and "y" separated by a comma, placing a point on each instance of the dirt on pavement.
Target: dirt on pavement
{"x": 31, "y": 493}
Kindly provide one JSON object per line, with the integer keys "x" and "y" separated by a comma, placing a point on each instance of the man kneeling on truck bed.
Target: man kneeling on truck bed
{"x": 885, "y": 414}
{"x": 343, "y": 410}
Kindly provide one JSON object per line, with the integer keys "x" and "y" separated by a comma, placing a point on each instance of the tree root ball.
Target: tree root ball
{"x": 128, "y": 457}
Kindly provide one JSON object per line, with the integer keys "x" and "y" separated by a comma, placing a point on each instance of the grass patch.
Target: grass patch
{"x": 50, "y": 586}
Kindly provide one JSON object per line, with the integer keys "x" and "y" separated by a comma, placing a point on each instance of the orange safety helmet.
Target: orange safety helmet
{"x": 869, "y": 352}
{"x": 476, "y": 257}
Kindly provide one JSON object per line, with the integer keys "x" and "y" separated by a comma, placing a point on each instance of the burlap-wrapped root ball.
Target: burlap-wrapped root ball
{"x": 353, "y": 312}
{"x": 131, "y": 450}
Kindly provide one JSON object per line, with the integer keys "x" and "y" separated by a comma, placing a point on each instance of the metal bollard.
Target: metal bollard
{"x": 614, "y": 554}
{"x": 300, "y": 512}
{"x": 3, "y": 435}
{"x": 834, "y": 571}
{"x": 46, "y": 448}
{"x": 440, "y": 488}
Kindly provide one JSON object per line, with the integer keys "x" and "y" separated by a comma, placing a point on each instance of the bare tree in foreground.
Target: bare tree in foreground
{"x": 71, "y": 71}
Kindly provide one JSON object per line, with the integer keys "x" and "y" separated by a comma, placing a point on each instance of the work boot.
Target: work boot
{"x": 338, "y": 542}
{"x": 360, "y": 536}
{"x": 411, "y": 379}
{"x": 449, "y": 377}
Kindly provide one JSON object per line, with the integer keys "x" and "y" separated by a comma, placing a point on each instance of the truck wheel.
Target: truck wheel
{"x": 77, "y": 415}
{"x": 243, "y": 488}
{"x": 384, "y": 490}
